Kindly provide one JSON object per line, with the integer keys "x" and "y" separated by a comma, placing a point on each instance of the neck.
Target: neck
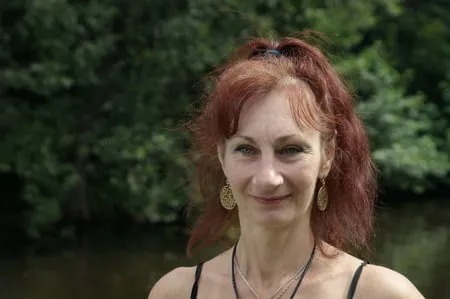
{"x": 270, "y": 256}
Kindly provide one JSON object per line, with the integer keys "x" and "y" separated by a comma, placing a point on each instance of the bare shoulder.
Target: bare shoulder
{"x": 178, "y": 283}
{"x": 380, "y": 282}
{"x": 175, "y": 284}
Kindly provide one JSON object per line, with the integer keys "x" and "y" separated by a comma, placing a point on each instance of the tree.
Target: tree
{"x": 91, "y": 94}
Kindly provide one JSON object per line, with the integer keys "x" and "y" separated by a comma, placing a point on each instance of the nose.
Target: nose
{"x": 267, "y": 176}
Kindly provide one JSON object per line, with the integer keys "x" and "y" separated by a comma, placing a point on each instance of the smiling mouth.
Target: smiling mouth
{"x": 270, "y": 200}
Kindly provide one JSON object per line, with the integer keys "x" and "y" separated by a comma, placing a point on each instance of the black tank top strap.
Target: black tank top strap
{"x": 355, "y": 279}
{"x": 198, "y": 273}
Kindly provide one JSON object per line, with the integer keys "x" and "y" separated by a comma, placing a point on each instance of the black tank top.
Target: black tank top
{"x": 350, "y": 294}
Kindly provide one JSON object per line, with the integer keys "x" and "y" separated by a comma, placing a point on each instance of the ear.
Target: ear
{"x": 328, "y": 150}
{"x": 221, "y": 153}
{"x": 325, "y": 168}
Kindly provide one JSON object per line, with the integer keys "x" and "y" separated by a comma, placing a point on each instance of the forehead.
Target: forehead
{"x": 275, "y": 115}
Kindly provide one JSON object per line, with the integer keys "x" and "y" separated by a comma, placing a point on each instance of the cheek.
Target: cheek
{"x": 233, "y": 168}
{"x": 304, "y": 174}
{"x": 238, "y": 174}
{"x": 303, "y": 179}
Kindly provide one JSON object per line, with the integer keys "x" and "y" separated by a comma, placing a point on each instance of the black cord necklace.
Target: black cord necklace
{"x": 233, "y": 277}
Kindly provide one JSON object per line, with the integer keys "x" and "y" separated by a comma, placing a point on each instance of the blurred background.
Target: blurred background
{"x": 93, "y": 168}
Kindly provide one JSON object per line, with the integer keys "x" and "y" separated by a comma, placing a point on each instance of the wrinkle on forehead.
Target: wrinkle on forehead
{"x": 272, "y": 116}
{"x": 302, "y": 109}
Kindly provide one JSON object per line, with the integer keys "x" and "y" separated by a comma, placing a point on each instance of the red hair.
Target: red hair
{"x": 250, "y": 75}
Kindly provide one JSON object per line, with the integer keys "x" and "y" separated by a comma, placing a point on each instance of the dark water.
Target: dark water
{"x": 413, "y": 239}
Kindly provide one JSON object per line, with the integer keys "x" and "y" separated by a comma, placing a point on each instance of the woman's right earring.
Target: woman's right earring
{"x": 322, "y": 196}
{"x": 226, "y": 197}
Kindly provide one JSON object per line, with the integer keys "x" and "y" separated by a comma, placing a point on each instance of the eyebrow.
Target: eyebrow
{"x": 279, "y": 139}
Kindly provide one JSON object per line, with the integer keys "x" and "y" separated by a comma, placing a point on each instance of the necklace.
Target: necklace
{"x": 283, "y": 287}
{"x": 301, "y": 274}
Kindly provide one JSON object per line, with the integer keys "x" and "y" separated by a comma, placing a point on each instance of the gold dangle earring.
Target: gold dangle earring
{"x": 322, "y": 196}
{"x": 226, "y": 197}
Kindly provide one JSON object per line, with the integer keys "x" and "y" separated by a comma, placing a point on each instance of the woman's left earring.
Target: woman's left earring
{"x": 226, "y": 197}
{"x": 322, "y": 196}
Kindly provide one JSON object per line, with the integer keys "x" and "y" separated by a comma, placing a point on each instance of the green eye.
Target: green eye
{"x": 244, "y": 149}
{"x": 291, "y": 150}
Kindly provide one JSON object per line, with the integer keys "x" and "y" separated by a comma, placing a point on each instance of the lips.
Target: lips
{"x": 270, "y": 200}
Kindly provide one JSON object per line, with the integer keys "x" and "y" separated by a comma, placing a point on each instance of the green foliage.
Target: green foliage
{"x": 400, "y": 126}
{"x": 91, "y": 93}
{"x": 416, "y": 42}
{"x": 83, "y": 129}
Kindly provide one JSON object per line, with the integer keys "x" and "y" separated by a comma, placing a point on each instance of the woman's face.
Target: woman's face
{"x": 272, "y": 164}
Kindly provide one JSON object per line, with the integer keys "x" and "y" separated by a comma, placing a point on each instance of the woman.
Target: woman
{"x": 281, "y": 153}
